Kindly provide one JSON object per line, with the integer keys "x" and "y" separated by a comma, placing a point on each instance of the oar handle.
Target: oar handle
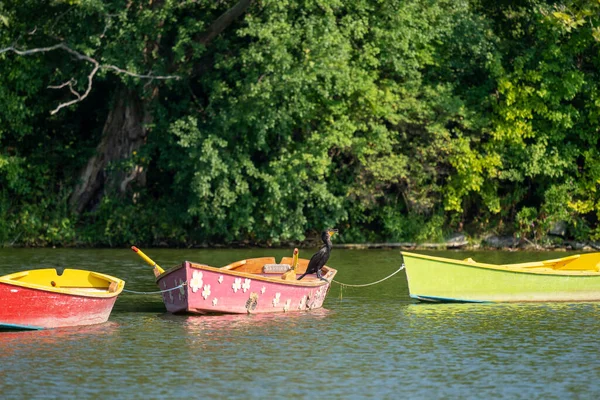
{"x": 295, "y": 260}
{"x": 157, "y": 269}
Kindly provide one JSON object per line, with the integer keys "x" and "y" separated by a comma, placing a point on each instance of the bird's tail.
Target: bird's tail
{"x": 302, "y": 276}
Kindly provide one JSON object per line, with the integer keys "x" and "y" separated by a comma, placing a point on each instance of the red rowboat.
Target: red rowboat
{"x": 256, "y": 285}
{"x": 43, "y": 299}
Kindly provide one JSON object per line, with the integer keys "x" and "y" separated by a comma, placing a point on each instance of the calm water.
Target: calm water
{"x": 373, "y": 342}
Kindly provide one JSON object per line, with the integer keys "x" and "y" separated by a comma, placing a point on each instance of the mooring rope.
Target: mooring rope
{"x": 158, "y": 291}
{"x": 372, "y": 283}
{"x": 343, "y": 285}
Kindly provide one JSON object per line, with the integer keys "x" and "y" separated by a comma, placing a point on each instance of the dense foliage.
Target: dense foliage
{"x": 390, "y": 120}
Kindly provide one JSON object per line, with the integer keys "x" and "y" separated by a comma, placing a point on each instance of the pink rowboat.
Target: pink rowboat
{"x": 43, "y": 299}
{"x": 256, "y": 285}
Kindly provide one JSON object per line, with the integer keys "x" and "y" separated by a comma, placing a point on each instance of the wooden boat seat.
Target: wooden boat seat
{"x": 252, "y": 265}
{"x": 577, "y": 262}
{"x": 267, "y": 266}
{"x": 276, "y": 268}
{"x": 570, "y": 263}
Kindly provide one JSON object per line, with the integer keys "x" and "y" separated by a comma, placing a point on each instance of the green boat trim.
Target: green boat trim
{"x": 546, "y": 267}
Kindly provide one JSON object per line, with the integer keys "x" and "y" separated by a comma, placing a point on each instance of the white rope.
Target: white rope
{"x": 372, "y": 283}
{"x": 157, "y": 292}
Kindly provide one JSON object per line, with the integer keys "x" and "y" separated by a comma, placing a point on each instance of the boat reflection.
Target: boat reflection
{"x": 446, "y": 310}
{"x": 12, "y": 339}
{"x": 482, "y": 318}
{"x": 195, "y": 323}
{"x": 221, "y": 324}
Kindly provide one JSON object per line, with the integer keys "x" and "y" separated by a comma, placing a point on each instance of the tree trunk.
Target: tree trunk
{"x": 124, "y": 133}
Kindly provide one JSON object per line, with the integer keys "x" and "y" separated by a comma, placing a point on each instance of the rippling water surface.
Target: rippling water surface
{"x": 372, "y": 342}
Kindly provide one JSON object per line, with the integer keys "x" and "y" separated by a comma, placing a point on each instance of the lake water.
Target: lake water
{"x": 372, "y": 342}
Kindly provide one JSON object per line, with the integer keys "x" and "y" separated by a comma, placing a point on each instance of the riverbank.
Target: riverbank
{"x": 455, "y": 242}
{"x": 461, "y": 242}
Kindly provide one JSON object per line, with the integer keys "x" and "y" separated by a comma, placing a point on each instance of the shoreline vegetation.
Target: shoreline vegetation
{"x": 455, "y": 242}
{"x": 509, "y": 245}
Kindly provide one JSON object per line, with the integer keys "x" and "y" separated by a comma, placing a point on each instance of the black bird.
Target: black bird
{"x": 318, "y": 260}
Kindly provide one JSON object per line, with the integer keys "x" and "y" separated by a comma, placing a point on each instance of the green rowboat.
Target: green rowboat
{"x": 437, "y": 279}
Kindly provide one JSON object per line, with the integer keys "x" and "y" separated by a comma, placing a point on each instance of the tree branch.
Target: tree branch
{"x": 218, "y": 26}
{"x": 97, "y": 66}
{"x": 221, "y": 23}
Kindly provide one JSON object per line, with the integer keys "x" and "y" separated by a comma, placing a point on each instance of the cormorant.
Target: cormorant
{"x": 318, "y": 260}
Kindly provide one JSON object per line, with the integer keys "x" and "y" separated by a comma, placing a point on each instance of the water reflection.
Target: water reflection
{"x": 11, "y": 341}
{"x": 508, "y": 342}
{"x": 471, "y": 317}
{"x": 528, "y": 328}
{"x": 519, "y": 310}
{"x": 196, "y": 324}
{"x": 59, "y": 333}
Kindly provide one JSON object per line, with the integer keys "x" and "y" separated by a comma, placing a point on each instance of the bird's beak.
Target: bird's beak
{"x": 332, "y": 231}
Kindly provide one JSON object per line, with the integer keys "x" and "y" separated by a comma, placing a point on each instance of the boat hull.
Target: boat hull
{"x": 439, "y": 279}
{"x": 71, "y": 299}
{"x": 38, "y": 309}
{"x": 200, "y": 289}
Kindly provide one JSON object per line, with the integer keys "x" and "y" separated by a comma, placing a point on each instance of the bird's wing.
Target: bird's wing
{"x": 317, "y": 260}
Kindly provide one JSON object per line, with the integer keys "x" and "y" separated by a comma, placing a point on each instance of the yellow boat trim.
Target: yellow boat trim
{"x": 71, "y": 282}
